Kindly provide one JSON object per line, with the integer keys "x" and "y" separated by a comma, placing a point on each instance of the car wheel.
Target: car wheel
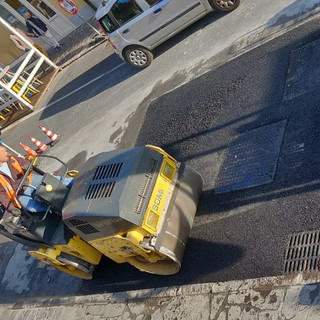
{"x": 224, "y": 5}
{"x": 138, "y": 56}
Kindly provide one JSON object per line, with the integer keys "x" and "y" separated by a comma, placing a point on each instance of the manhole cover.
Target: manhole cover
{"x": 302, "y": 252}
{"x": 251, "y": 159}
{"x": 304, "y": 71}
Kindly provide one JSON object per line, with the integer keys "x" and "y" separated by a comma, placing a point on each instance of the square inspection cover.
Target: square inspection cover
{"x": 304, "y": 71}
{"x": 251, "y": 159}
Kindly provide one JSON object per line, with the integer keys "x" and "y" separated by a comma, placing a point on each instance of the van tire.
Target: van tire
{"x": 138, "y": 57}
{"x": 223, "y": 5}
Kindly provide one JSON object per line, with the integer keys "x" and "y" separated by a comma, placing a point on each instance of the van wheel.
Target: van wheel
{"x": 138, "y": 56}
{"x": 224, "y": 5}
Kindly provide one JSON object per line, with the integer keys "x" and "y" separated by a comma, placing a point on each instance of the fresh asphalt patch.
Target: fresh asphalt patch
{"x": 197, "y": 123}
{"x": 239, "y": 234}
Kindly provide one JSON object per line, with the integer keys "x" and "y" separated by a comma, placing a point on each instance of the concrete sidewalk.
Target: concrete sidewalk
{"x": 77, "y": 43}
{"x": 283, "y": 297}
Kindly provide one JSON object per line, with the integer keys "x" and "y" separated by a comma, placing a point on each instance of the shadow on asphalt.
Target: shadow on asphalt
{"x": 62, "y": 100}
{"x": 212, "y": 111}
{"x": 46, "y": 282}
{"x": 309, "y": 295}
{"x": 212, "y": 120}
{"x": 201, "y": 258}
{"x": 114, "y": 78}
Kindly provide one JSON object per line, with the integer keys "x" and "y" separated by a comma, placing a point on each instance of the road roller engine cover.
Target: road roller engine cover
{"x": 135, "y": 205}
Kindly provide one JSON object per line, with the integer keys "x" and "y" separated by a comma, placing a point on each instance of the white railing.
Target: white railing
{"x": 7, "y": 95}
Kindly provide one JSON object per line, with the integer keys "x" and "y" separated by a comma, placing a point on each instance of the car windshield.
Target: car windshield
{"x": 107, "y": 24}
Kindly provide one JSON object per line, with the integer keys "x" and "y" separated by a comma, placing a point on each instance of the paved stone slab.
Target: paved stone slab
{"x": 272, "y": 298}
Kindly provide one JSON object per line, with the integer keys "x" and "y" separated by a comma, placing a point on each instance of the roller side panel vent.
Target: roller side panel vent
{"x": 146, "y": 186}
{"x": 87, "y": 229}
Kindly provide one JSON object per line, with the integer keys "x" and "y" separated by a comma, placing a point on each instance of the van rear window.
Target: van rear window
{"x": 107, "y": 24}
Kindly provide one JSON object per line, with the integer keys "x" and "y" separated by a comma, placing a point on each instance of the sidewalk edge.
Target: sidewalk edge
{"x": 236, "y": 286}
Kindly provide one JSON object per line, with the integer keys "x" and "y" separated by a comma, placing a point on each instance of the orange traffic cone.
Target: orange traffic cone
{"x": 53, "y": 136}
{"x": 28, "y": 149}
{"x": 43, "y": 147}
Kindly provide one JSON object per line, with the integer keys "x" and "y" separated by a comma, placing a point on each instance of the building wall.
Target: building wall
{"x": 86, "y": 13}
{"x": 8, "y": 51}
{"x": 79, "y": 3}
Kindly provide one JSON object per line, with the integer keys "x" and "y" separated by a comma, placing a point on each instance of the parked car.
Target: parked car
{"x": 136, "y": 27}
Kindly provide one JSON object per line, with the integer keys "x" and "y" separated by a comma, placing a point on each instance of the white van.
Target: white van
{"x": 135, "y": 27}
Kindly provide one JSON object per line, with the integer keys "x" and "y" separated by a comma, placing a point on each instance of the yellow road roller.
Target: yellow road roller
{"x": 135, "y": 205}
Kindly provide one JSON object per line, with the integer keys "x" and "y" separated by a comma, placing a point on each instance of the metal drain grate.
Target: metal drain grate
{"x": 302, "y": 252}
{"x": 251, "y": 159}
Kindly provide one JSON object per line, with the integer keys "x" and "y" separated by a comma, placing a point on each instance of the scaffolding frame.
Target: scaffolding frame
{"x": 7, "y": 94}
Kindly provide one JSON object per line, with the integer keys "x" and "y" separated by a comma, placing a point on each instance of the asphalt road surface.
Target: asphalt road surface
{"x": 241, "y": 234}
{"x": 236, "y": 235}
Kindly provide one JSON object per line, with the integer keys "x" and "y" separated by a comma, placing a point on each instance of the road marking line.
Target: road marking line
{"x": 85, "y": 85}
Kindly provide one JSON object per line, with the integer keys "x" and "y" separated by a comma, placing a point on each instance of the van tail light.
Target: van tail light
{"x": 104, "y": 31}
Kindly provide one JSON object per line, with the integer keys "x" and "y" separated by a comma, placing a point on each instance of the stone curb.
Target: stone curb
{"x": 265, "y": 34}
{"x": 241, "y": 287}
{"x": 82, "y": 53}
